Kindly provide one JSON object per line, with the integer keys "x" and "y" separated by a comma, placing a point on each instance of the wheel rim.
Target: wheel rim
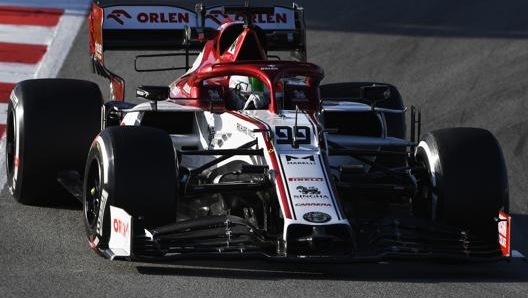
{"x": 426, "y": 195}
{"x": 92, "y": 196}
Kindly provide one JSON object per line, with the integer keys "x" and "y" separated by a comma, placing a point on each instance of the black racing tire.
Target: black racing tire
{"x": 468, "y": 183}
{"x": 133, "y": 168}
{"x": 396, "y": 125}
{"x": 50, "y": 126}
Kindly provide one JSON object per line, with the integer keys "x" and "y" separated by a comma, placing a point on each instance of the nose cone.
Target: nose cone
{"x": 320, "y": 240}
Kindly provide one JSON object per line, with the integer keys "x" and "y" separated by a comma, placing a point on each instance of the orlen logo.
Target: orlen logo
{"x": 171, "y": 17}
{"x": 217, "y": 16}
{"x": 116, "y": 15}
{"x": 150, "y": 17}
{"x": 120, "y": 227}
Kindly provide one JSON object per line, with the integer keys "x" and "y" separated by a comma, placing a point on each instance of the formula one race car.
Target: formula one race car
{"x": 246, "y": 155}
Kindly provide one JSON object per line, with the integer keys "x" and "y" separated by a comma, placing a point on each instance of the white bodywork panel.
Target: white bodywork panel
{"x": 299, "y": 171}
{"x": 120, "y": 233}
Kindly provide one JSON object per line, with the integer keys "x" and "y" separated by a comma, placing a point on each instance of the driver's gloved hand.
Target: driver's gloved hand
{"x": 256, "y": 101}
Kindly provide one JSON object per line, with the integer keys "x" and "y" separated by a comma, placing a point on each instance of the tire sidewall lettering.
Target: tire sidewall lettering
{"x": 103, "y": 165}
{"x": 102, "y": 208}
{"x": 17, "y": 122}
{"x": 433, "y": 162}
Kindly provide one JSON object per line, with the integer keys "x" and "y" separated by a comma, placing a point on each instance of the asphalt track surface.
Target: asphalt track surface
{"x": 465, "y": 63}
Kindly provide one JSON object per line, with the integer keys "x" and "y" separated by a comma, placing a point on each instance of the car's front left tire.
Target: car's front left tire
{"x": 467, "y": 184}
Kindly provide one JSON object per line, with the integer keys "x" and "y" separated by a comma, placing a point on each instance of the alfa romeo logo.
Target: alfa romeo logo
{"x": 317, "y": 217}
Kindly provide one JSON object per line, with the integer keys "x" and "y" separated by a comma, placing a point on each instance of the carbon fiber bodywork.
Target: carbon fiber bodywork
{"x": 380, "y": 240}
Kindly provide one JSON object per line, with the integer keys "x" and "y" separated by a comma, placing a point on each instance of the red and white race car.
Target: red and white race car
{"x": 249, "y": 155}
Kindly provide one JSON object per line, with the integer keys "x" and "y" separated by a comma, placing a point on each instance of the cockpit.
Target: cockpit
{"x": 258, "y": 85}
{"x": 243, "y": 92}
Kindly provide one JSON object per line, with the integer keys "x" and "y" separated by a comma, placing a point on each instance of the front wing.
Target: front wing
{"x": 233, "y": 237}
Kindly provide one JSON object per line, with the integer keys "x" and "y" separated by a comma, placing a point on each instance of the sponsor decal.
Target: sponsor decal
{"x": 269, "y": 67}
{"x": 285, "y": 134}
{"x": 313, "y": 205}
{"x": 120, "y": 227}
{"x": 282, "y": 18}
{"x": 170, "y": 17}
{"x": 148, "y": 17}
{"x": 305, "y": 179}
{"x": 317, "y": 217}
{"x": 241, "y": 128}
{"x": 218, "y": 17}
{"x": 310, "y": 192}
{"x": 120, "y": 232}
{"x": 297, "y": 160}
{"x": 117, "y": 14}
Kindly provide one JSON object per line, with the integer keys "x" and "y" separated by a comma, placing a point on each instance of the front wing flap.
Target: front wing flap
{"x": 234, "y": 237}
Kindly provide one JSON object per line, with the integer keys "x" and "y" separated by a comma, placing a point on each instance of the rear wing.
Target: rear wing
{"x": 155, "y": 27}
{"x": 166, "y": 26}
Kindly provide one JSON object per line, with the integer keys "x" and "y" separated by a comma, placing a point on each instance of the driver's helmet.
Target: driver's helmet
{"x": 249, "y": 92}
{"x": 246, "y": 84}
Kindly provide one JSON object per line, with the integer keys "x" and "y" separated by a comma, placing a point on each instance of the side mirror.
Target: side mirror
{"x": 375, "y": 93}
{"x": 153, "y": 93}
{"x": 198, "y": 34}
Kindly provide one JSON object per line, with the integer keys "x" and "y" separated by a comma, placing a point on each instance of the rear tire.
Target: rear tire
{"x": 50, "y": 125}
{"x": 133, "y": 168}
{"x": 468, "y": 178}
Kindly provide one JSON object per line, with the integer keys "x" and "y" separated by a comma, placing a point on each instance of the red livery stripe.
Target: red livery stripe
{"x": 5, "y": 91}
{"x": 30, "y": 16}
{"x": 21, "y": 53}
{"x": 274, "y": 163}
